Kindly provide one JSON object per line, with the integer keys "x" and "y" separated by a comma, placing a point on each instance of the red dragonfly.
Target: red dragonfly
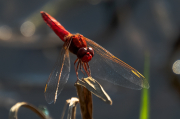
{"x": 104, "y": 65}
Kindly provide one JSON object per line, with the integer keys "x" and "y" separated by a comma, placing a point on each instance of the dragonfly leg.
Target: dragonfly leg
{"x": 81, "y": 65}
{"x": 81, "y": 68}
{"x": 85, "y": 68}
{"x": 88, "y": 68}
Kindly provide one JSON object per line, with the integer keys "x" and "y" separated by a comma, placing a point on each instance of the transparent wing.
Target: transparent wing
{"x": 58, "y": 77}
{"x": 106, "y": 66}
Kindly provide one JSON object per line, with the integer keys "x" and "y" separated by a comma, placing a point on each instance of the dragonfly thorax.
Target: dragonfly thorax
{"x": 77, "y": 42}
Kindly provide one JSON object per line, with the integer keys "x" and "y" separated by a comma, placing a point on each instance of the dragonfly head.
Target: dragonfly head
{"x": 85, "y": 54}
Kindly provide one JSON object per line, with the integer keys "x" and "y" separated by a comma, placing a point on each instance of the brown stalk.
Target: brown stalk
{"x": 85, "y": 100}
{"x": 84, "y": 88}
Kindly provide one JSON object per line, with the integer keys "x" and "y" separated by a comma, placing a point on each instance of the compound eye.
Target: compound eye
{"x": 91, "y": 51}
{"x": 81, "y": 52}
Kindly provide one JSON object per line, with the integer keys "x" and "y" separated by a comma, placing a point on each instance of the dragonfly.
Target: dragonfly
{"x": 92, "y": 59}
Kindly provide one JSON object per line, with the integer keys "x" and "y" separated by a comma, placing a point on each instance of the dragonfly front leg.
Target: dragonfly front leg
{"x": 81, "y": 68}
{"x": 86, "y": 68}
{"x": 89, "y": 70}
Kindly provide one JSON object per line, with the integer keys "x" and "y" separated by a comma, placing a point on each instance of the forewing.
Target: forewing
{"x": 58, "y": 76}
{"x": 105, "y": 65}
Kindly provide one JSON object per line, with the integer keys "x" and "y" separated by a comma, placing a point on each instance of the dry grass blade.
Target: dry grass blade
{"x": 85, "y": 100}
{"x": 14, "y": 110}
{"x": 93, "y": 86}
{"x": 72, "y": 108}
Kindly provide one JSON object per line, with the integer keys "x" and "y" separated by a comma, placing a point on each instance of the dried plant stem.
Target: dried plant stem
{"x": 72, "y": 108}
{"x": 14, "y": 110}
{"x": 85, "y": 100}
{"x": 72, "y": 113}
{"x": 64, "y": 110}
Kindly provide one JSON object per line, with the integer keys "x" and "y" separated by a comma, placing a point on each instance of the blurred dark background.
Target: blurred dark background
{"x": 127, "y": 28}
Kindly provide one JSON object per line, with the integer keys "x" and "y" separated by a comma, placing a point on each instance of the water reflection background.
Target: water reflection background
{"x": 29, "y": 48}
